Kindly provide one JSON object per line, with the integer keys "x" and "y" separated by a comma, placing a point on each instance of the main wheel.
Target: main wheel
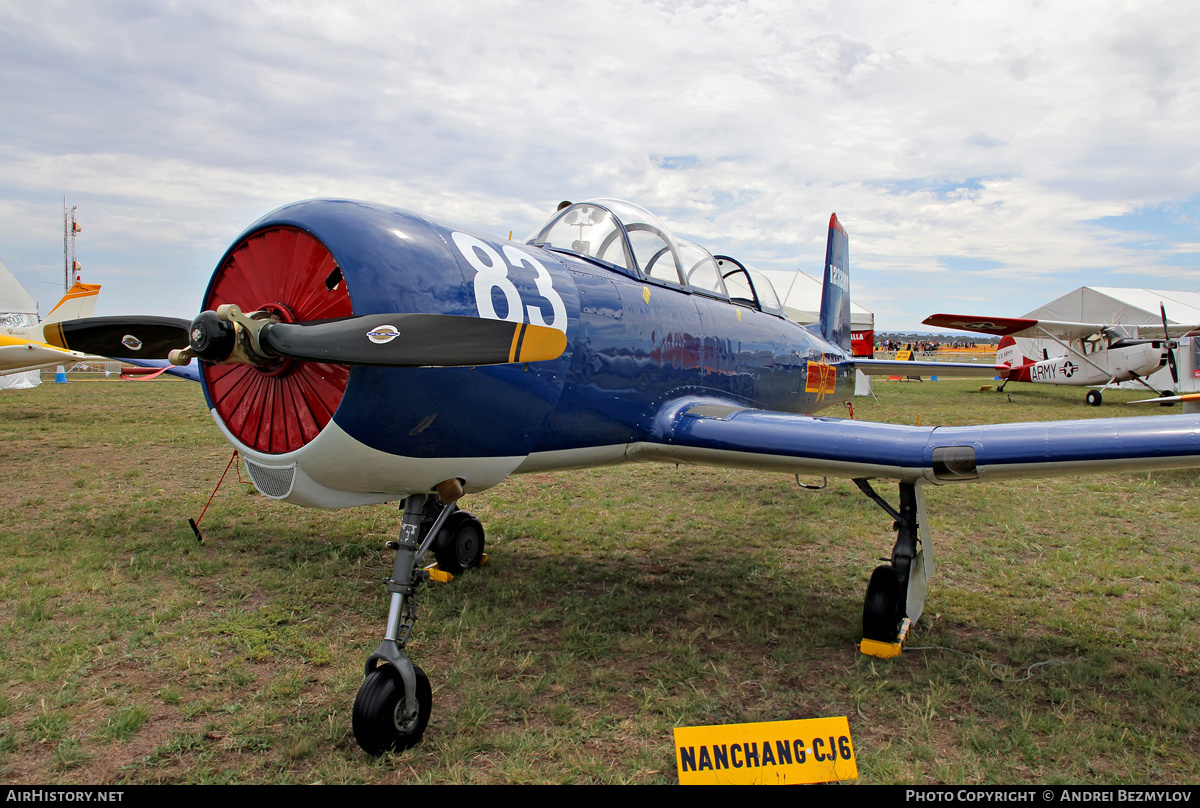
{"x": 1094, "y": 398}
{"x": 882, "y": 609}
{"x": 379, "y": 718}
{"x": 459, "y": 545}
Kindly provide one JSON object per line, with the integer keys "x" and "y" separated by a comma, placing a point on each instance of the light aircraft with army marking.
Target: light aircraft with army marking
{"x": 1098, "y": 355}
{"x": 356, "y": 354}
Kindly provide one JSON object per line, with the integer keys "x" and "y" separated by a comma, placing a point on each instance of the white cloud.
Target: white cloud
{"x": 977, "y": 130}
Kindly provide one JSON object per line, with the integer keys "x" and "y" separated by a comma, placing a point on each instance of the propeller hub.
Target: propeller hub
{"x": 212, "y": 338}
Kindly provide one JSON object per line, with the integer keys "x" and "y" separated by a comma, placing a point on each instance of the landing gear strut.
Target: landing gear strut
{"x": 395, "y": 700}
{"x": 896, "y": 592}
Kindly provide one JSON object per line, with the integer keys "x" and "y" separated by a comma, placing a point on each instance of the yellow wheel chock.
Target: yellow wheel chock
{"x": 886, "y": 650}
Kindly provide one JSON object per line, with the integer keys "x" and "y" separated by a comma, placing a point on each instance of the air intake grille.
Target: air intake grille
{"x": 270, "y": 481}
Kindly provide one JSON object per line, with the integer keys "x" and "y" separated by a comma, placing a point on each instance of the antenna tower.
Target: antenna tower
{"x": 71, "y": 267}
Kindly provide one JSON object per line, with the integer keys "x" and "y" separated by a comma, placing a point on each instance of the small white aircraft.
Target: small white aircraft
{"x": 1098, "y": 355}
{"x": 69, "y": 331}
{"x": 31, "y": 347}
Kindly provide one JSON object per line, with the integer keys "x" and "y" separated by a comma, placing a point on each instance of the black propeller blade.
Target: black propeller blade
{"x": 1170, "y": 350}
{"x": 414, "y": 340}
{"x": 133, "y": 337}
{"x": 386, "y": 340}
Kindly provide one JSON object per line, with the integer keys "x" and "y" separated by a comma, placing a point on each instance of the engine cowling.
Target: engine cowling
{"x": 328, "y": 435}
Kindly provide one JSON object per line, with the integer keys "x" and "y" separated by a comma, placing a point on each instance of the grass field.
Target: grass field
{"x": 1060, "y": 643}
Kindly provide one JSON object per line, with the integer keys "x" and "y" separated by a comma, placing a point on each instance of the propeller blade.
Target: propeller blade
{"x": 414, "y": 340}
{"x": 130, "y": 337}
{"x": 1170, "y": 350}
{"x": 1167, "y": 399}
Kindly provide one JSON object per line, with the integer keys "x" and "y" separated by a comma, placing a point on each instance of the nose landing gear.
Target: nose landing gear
{"x": 395, "y": 700}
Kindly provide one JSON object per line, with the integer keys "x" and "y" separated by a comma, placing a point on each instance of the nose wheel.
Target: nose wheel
{"x": 383, "y": 720}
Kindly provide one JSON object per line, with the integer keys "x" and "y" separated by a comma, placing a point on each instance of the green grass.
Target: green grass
{"x": 1060, "y": 641}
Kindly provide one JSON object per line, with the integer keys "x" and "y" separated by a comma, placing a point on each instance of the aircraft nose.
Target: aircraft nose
{"x": 280, "y": 407}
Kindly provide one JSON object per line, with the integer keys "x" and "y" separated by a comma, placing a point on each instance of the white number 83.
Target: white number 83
{"x": 491, "y": 272}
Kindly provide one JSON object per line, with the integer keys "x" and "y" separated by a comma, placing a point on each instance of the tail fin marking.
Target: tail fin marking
{"x": 1007, "y": 353}
{"x": 835, "y": 294}
{"x": 78, "y": 302}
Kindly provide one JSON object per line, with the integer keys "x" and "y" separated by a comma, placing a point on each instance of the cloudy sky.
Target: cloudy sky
{"x": 985, "y": 157}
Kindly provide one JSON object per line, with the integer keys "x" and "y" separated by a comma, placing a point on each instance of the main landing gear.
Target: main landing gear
{"x": 395, "y": 700}
{"x": 896, "y": 592}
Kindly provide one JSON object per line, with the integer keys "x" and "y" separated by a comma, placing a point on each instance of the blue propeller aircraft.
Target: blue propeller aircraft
{"x": 355, "y": 353}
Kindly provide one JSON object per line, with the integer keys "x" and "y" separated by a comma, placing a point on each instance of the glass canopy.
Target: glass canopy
{"x": 634, "y": 241}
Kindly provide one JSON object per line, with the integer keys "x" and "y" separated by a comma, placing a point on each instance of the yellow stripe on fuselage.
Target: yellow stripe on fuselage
{"x": 7, "y": 341}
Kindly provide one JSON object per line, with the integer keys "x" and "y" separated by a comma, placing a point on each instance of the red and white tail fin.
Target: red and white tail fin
{"x": 1007, "y": 353}
{"x": 79, "y": 301}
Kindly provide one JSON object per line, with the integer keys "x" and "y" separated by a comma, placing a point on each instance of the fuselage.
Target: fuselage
{"x": 1098, "y": 368}
{"x": 634, "y": 343}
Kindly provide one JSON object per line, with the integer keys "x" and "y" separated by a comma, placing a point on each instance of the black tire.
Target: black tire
{"x": 378, "y": 727}
{"x": 1094, "y": 398}
{"x": 882, "y": 609}
{"x": 459, "y": 545}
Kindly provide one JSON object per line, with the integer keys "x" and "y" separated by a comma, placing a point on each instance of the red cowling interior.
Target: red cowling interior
{"x": 291, "y": 274}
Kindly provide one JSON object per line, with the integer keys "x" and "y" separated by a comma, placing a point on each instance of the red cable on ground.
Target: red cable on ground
{"x": 196, "y": 523}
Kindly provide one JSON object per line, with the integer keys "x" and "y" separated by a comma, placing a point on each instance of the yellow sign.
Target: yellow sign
{"x": 815, "y": 750}
{"x": 904, "y": 356}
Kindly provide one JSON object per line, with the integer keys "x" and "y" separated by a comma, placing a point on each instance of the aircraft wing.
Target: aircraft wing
{"x": 716, "y": 432}
{"x": 22, "y": 356}
{"x": 894, "y": 367}
{"x": 1014, "y": 326}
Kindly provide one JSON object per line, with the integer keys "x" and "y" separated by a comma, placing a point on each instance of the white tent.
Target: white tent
{"x": 17, "y": 308}
{"x": 1110, "y": 304}
{"x": 801, "y": 298}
